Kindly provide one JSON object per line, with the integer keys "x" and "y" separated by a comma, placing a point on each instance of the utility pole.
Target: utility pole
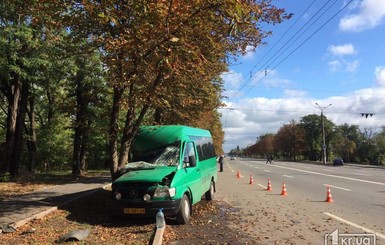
{"x": 323, "y": 130}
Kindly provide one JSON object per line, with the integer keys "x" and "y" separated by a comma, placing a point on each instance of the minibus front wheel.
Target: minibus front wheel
{"x": 184, "y": 213}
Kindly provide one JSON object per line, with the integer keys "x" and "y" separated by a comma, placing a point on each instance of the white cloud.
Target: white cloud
{"x": 335, "y": 65}
{"x": 370, "y": 14}
{"x": 237, "y": 86}
{"x": 271, "y": 80}
{"x": 351, "y": 66}
{"x": 340, "y": 50}
{"x": 232, "y": 81}
{"x": 343, "y": 65}
{"x": 253, "y": 117}
{"x": 250, "y": 118}
{"x": 380, "y": 75}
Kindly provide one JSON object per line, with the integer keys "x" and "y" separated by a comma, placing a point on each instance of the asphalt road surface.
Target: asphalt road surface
{"x": 304, "y": 216}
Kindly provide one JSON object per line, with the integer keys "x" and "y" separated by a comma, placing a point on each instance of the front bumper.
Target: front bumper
{"x": 170, "y": 207}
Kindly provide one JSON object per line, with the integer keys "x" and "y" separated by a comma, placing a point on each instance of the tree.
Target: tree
{"x": 162, "y": 62}
{"x": 313, "y": 136}
{"x": 86, "y": 88}
{"x": 152, "y": 48}
{"x": 290, "y": 140}
{"x": 313, "y": 126}
{"x": 343, "y": 145}
{"x": 380, "y": 142}
{"x": 21, "y": 51}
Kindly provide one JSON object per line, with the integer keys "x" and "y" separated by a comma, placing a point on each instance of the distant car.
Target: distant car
{"x": 338, "y": 162}
{"x": 232, "y": 158}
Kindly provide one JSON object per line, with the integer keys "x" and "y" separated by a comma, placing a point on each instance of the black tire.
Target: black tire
{"x": 184, "y": 213}
{"x": 210, "y": 193}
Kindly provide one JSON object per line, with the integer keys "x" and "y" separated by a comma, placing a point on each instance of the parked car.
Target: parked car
{"x": 338, "y": 162}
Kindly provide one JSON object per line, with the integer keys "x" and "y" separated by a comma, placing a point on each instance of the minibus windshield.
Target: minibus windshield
{"x": 165, "y": 156}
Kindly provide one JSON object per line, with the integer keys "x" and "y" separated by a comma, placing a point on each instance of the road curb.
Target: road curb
{"x": 158, "y": 238}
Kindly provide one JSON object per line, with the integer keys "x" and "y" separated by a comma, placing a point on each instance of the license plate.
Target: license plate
{"x": 134, "y": 211}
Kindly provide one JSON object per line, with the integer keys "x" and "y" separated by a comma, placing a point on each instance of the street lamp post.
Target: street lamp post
{"x": 323, "y": 130}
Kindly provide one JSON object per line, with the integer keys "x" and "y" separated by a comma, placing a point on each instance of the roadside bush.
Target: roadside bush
{"x": 5, "y": 177}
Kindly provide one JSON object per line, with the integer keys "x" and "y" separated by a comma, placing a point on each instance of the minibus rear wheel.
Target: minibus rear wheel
{"x": 183, "y": 216}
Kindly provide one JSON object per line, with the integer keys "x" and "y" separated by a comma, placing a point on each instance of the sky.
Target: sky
{"x": 331, "y": 52}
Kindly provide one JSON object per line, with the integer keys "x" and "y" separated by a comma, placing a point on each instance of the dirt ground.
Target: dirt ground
{"x": 209, "y": 225}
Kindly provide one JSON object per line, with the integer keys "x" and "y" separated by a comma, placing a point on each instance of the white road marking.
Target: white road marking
{"x": 355, "y": 225}
{"x": 337, "y": 187}
{"x": 288, "y": 176}
{"x": 264, "y": 187}
{"x": 267, "y": 171}
{"x": 362, "y": 174}
{"x": 256, "y": 167}
{"x": 331, "y": 175}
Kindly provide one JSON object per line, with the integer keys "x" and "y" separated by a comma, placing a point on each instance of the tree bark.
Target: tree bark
{"x": 158, "y": 115}
{"x": 31, "y": 142}
{"x": 76, "y": 153}
{"x": 50, "y": 106}
{"x": 84, "y": 147}
{"x": 19, "y": 133}
{"x": 80, "y": 123}
{"x": 13, "y": 96}
{"x": 131, "y": 125}
{"x": 113, "y": 140}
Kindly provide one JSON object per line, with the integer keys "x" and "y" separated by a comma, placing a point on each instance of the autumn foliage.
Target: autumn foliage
{"x": 160, "y": 64}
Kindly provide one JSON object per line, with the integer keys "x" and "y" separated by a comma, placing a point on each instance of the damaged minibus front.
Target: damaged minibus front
{"x": 171, "y": 168}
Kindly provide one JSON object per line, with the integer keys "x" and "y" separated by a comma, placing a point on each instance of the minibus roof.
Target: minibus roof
{"x": 153, "y": 137}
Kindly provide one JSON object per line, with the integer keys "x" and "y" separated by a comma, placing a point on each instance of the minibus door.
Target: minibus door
{"x": 193, "y": 172}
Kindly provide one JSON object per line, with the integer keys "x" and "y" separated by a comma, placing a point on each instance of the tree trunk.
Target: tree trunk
{"x": 131, "y": 125}
{"x": 76, "y": 153}
{"x": 113, "y": 140}
{"x": 31, "y": 142}
{"x": 19, "y": 133}
{"x": 13, "y": 97}
{"x": 84, "y": 147}
{"x": 158, "y": 116}
{"x": 80, "y": 124}
{"x": 50, "y": 106}
{"x": 125, "y": 141}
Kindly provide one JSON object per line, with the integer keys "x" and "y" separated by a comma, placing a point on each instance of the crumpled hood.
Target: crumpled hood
{"x": 146, "y": 175}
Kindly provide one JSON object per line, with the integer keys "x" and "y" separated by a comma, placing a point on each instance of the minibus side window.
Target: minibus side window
{"x": 189, "y": 159}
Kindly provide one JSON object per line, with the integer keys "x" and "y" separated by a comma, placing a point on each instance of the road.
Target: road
{"x": 303, "y": 216}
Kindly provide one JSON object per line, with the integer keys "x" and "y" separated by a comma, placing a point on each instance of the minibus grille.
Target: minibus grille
{"x": 136, "y": 191}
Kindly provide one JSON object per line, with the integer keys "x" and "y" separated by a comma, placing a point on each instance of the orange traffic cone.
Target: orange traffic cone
{"x": 269, "y": 185}
{"x": 251, "y": 179}
{"x": 283, "y": 193}
{"x": 238, "y": 174}
{"x": 328, "y": 195}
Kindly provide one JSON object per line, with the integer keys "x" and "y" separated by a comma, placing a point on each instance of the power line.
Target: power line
{"x": 275, "y": 44}
{"x": 300, "y": 45}
{"x": 308, "y": 27}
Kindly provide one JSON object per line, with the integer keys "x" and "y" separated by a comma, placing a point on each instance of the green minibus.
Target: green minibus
{"x": 171, "y": 167}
